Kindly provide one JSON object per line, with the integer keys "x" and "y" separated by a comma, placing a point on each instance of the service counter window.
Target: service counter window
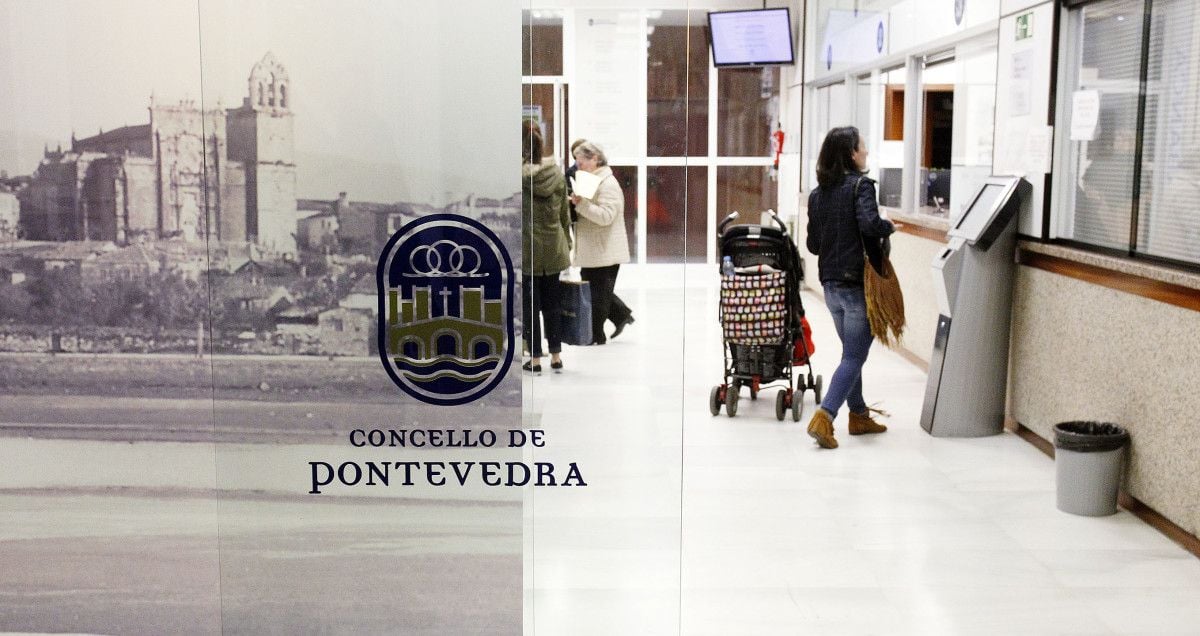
{"x": 949, "y": 141}
{"x": 1129, "y": 129}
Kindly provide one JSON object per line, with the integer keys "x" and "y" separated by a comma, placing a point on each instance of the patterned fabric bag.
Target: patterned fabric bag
{"x": 754, "y": 308}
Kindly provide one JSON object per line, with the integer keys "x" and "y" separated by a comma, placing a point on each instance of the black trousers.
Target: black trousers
{"x": 541, "y": 295}
{"x": 605, "y": 304}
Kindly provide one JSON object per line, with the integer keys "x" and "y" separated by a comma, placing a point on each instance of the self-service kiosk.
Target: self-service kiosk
{"x": 973, "y": 280}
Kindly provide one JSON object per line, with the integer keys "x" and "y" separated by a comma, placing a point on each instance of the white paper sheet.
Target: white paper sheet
{"x": 585, "y": 184}
{"x": 1038, "y": 149}
{"x": 1085, "y": 112}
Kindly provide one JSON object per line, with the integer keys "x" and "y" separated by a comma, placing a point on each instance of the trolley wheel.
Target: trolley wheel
{"x": 801, "y": 383}
{"x": 780, "y": 404}
{"x": 731, "y": 399}
{"x": 714, "y": 400}
{"x": 818, "y": 389}
{"x": 753, "y": 393}
{"x": 797, "y": 405}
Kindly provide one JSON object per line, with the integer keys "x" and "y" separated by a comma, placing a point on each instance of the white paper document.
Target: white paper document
{"x": 1085, "y": 112}
{"x": 585, "y": 184}
{"x": 1021, "y": 87}
{"x": 1039, "y": 150}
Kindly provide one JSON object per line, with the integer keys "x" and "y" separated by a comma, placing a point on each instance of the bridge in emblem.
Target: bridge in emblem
{"x": 475, "y": 332}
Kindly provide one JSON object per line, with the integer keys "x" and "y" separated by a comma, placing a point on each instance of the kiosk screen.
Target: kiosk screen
{"x": 975, "y": 220}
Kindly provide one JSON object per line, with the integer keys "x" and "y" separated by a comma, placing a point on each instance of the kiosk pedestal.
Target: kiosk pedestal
{"x": 973, "y": 279}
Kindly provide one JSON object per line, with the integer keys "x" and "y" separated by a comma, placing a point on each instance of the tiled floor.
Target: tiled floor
{"x": 714, "y": 525}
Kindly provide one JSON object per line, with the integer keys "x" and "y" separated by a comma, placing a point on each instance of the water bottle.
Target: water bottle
{"x": 727, "y": 266}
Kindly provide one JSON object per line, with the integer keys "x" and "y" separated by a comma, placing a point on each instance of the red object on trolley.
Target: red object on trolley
{"x": 799, "y": 356}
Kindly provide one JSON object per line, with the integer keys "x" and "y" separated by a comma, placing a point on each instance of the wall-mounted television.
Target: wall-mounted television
{"x": 757, "y": 37}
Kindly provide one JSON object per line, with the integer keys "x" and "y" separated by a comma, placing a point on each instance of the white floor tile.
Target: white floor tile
{"x": 697, "y": 524}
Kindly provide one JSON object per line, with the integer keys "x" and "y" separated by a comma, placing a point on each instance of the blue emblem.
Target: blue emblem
{"x": 829, "y": 57}
{"x": 446, "y": 289}
{"x": 959, "y": 7}
{"x": 879, "y": 38}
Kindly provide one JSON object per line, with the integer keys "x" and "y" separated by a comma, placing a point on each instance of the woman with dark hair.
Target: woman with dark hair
{"x": 546, "y": 249}
{"x": 843, "y": 221}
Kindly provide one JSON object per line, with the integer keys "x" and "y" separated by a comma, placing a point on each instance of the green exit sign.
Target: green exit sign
{"x": 1025, "y": 26}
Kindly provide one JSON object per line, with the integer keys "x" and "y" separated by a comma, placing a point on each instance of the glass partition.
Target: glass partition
{"x": 1167, "y": 225}
{"x": 677, "y": 84}
{"x": 365, "y": 292}
{"x": 1106, "y": 62}
{"x": 110, "y": 519}
{"x": 676, "y": 201}
{"x": 612, "y": 548}
{"x": 973, "y": 127}
{"x": 748, "y": 111}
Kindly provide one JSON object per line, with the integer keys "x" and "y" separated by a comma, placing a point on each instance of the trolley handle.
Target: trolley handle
{"x": 775, "y": 217}
{"x": 725, "y": 222}
{"x": 734, "y": 215}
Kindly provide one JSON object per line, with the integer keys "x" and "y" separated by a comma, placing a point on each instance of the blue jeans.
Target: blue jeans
{"x": 848, "y": 306}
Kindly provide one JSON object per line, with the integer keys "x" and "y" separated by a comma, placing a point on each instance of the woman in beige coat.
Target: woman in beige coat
{"x": 601, "y": 244}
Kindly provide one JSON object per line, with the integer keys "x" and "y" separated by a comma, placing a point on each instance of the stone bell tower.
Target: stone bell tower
{"x": 260, "y": 134}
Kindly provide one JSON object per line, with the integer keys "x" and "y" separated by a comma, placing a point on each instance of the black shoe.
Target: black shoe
{"x": 621, "y": 326}
{"x": 557, "y": 366}
{"x": 530, "y": 366}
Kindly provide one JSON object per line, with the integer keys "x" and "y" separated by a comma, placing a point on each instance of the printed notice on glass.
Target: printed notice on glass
{"x": 1020, "y": 88}
{"x": 1038, "y": 150}
{"x": 1085, "y": 111}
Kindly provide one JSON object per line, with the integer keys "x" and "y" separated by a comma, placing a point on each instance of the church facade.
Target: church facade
{"x": 221, "y": 174}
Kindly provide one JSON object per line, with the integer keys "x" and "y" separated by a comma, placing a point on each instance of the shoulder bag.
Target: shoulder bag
{"x": 885, "y": 300}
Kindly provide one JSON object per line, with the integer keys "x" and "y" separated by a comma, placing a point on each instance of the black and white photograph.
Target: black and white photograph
{"x": 193, "y": 201}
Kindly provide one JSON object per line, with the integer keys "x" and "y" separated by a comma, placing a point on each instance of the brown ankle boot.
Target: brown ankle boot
{"x": 820, "y": 427}
{"x": 862, "y": 424}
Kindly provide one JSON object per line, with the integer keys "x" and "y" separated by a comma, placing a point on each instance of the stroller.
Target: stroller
{"x": 765, "y": 332}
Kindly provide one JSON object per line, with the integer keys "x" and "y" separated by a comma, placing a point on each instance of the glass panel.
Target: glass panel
{"x": 887, "y": 156}
{"x": 863, "y": 113}
{"x": 541, "y": 42}
{"x": 110, "y": 523}
{"x": 675, "y": 211}
{"x": 1168, "y": 224}
{"x": 748, "y": 111}
{"x": 677, "y": 85}
{"x": 1110, "y": 59}
{"x": 609, "y": 44}
{"x": 974, "y": 114}
{"x": 849, "y": 34}
{"x": 615, "y": 409}
{"x": 937, "y": 113}
{"x": 745, "y": 189}
{"x": 538, "y": 103}
{"x": 338, "y": 417}
{"x": 627, "y": 177}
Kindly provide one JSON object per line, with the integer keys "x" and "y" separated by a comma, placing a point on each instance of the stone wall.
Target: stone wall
{"x": 1082, "y": 351}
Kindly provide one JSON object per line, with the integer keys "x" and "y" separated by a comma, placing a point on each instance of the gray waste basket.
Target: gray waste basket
{"x": 1087, "y": 463}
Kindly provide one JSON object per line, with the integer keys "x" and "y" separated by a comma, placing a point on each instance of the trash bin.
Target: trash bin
{"x": 1087, "y": 462}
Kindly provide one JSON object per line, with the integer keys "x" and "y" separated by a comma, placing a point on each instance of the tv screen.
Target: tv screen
{"x": 751, "y": 38}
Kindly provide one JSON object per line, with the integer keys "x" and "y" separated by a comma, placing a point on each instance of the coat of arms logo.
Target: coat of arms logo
{"x": 446, "y": 290}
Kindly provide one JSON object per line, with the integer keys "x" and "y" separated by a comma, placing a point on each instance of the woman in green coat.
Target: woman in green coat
{"x": 546, "y": 250}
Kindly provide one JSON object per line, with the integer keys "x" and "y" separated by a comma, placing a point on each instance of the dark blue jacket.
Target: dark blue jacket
{"x": 841, "y": 223}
